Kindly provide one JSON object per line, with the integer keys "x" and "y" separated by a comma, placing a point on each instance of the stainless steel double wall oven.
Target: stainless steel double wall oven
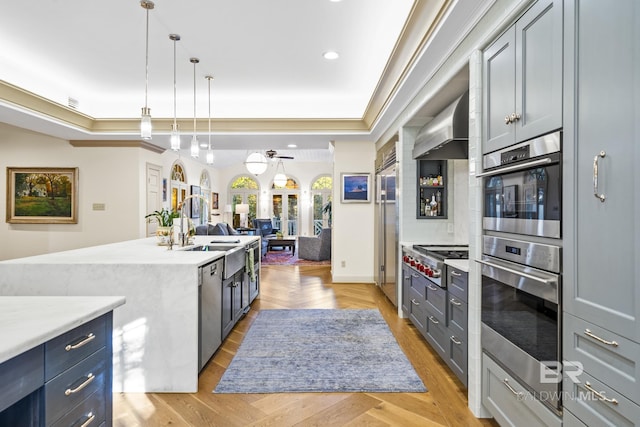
{"x": 521, "y": 263}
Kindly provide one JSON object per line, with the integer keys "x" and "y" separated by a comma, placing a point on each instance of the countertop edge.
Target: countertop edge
{"x": 89, "y": 308}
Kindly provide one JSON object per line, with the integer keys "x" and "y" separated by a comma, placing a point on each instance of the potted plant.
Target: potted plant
{"x": 164, "y": 219}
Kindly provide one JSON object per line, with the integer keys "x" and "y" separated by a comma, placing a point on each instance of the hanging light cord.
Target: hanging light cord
{"x": 146, "y": 70}
{"x": 209, "y": 79}
{"x": 174, "y": 84}
{"x": 195, "y": 61}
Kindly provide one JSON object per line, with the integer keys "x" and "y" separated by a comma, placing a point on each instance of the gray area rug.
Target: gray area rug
{"x": 319, "y": 350}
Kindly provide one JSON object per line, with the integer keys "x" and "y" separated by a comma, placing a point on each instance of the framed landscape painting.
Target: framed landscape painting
{"x": 42, "y": 195}
{"x": 356, "y": 188}
{"x": 196, "y": 202}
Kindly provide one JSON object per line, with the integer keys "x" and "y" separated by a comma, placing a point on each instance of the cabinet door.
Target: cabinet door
{"x": 406, "y": 287}
{"x": 603, "y": 272}
{"x": 538, "y": 65}
{"x": 499, "y": 92}
{"x": 227, "y": 306}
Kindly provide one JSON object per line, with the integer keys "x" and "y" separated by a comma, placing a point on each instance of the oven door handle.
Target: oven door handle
{"x": 545, "y": 161}
{"x": 519, "y": 273}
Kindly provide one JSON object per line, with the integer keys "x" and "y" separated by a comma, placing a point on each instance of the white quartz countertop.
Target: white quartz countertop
{"x": 28, "y": 321}
{"x": 140, "y": 251}
{"x": 460, "y": 264}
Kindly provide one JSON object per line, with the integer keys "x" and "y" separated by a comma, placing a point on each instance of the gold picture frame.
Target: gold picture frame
{"x": 42, "y": 195}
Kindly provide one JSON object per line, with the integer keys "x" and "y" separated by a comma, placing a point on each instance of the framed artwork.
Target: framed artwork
{"x": 195, "y": 203}
{"x": 164, "y": 189}
{"x": 510, "y": 194}
{"x": 356, "y": 188}
{"x": 42, "y": 195}
{"x": 214, "y": 200}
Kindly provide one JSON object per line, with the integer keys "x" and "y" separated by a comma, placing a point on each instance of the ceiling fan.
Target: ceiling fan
{"x": 273, "y": 154}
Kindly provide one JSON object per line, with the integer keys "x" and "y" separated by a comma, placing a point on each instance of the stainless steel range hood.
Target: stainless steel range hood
{"x": 447, "y": 135}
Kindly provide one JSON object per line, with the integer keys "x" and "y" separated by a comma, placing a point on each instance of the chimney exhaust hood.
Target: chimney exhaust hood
{"x": 447, "y": 135}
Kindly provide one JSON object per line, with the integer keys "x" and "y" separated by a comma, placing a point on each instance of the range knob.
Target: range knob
{"x": 405, "y": 258}
{"x": 420, "y": 267}
{"x": 429, "y": 272}
{"x": 436, "y": 273}
{"x": 412, "y": 262}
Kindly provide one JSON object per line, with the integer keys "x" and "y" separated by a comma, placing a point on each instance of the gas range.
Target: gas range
{"x": 428, "y": 260}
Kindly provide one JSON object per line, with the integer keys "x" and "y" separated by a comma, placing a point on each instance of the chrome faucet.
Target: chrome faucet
{"x": 182, "y": 236}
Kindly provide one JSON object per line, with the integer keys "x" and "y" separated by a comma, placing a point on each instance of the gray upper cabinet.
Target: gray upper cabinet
{"x": 602, "y": 272}
{"x": 522, "y": 72}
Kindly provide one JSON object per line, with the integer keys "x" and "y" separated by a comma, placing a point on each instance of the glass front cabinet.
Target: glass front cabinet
{"x": 432, "y": 184}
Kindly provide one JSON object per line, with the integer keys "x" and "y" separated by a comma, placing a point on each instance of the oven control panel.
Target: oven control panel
{"x": 515, "y": 155}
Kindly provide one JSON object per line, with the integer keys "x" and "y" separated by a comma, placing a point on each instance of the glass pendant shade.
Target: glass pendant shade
{"x": 195, "y": 147}
{"x": 210, "y": 157}
{"x": 256, "y": 163}
{"x": 175, "y": 138}
{"x": 145, "y": 123}
{"x": 280, "y": 180}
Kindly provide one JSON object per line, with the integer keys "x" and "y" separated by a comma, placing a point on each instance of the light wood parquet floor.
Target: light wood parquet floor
{"x": 445, "y": 403}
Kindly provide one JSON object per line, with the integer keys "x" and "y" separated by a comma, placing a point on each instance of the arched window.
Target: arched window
{"x": 178, "y": 185}
{"x": 321, "y": 193}
{"x": 244, "y": 190}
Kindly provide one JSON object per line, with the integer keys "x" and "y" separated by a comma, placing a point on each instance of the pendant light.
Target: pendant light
{"x": 145, "y": 120}
{"x": 280, "y": 179}
{"x": 209, "y": 157}
{"x": 195, "y": 149}
{"x": 256, "y": 163}
{"x": 175, "y": 135}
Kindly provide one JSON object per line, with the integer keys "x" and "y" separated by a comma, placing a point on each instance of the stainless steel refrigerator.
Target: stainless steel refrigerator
{"x": 386, "y": 240}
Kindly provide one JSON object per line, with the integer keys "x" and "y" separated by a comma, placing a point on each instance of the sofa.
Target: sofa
{"x": 219, "y": 229}
{"x": 316, "y": 248}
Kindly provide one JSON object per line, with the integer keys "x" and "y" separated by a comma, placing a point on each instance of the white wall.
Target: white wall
{"x": 105, "y": 175}
{"x": 353, "y": 223}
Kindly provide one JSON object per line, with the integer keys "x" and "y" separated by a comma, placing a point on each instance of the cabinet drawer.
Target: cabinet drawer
{"x": 21, "y": 376}
{"x": 457, "y": 283}
{"x": 458, "y": 355}
{"x": 457, "y": 316}
{"x": 605, "y": 407}
{"x": 512, "y": 407}
{"x": 418, "y": 283}
{"x": 69, "y": 348}
{"x": 613, "y": 364}
{"x": 436, "y": 335}
{"x": 436, "y": 298}
{"x": 417, "y": 309}
{"x": 75, "y": 385}
{"x": 92, "y": 408}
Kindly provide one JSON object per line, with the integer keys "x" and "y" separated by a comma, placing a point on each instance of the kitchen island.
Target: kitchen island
{"x": 155, "y": 335}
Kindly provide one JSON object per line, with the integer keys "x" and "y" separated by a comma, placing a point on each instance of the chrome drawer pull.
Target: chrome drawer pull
{"x": 599, "y": 395}
{"x": 517, "y": 393}
{"x": 414, "y": 275}
{"x": 600, "y": 197}
{"x": 432, "y": 288}
{"x": 89, "y": 420}
{"x": 414, "y": 302}
{"x": 87, "y": 340}
{"x": 455, "y": 341}
{"x": 86, "y": 382}
{"x": 588, "y": 333}
{"x": 454, "y": 302}
{"x": 455, "y": 274}
{"x": 433, "y": 320}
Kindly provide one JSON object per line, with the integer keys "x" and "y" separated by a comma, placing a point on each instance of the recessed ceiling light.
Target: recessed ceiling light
{"x": 334, "y": 1}
{"x": 331, "y": 55}
{"x": 292, "y": 146}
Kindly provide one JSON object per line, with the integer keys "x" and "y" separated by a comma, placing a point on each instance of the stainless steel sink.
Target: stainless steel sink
{"x": 210, "y": 248}
{"x": 234, "y": 256}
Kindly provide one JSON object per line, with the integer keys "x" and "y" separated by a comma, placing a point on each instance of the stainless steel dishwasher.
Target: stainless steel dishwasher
{"x": 210, "y": 309}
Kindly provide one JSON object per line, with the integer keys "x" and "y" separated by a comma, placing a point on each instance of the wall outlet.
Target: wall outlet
{"x": 450, "y": 227}
{"x": 99, "y": 206}
{"x": 343, "y": 264}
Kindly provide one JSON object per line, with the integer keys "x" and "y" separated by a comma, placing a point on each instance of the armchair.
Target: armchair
{"x": 265, "y": 230}
{"x": 315, "y": 248}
